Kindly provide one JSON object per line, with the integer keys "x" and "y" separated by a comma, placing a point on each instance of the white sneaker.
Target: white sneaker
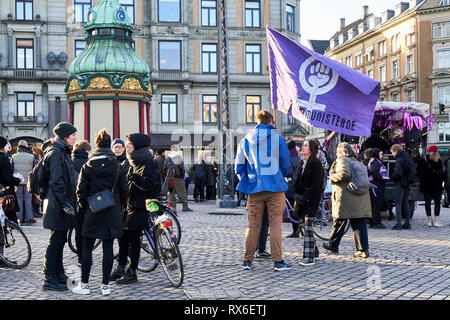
{"x": 105, "y": 290}
{"x": 80, "y": 289}
{"x": 437, "y": 222}
{"x": 430, "y": 221}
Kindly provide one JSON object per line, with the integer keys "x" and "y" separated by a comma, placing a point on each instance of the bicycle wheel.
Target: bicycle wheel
{"x": 176, "y": 227}
{"x": 170, "y": 256}
{"x": 72, "y": 243}
{"x": 148, "y": 260}
{"x": 16, "y": 247}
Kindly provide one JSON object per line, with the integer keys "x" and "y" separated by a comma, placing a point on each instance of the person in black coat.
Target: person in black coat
{"x": 7, "y": 179}
{"x": 377, "y": 175}
{"x": 431, "y": 173}
{"x": 143, "y": 181}
{"x": 101, "y": 172}
{"x": 200, "y": 181}
{"x": 308, "y": 194}
{"x": 79, "y": 158}
{"x": 59, "y": 203}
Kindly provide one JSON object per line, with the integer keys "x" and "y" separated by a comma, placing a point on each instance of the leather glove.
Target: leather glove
{"x": 301, "y": 201}
{"x": 68, "y": 209}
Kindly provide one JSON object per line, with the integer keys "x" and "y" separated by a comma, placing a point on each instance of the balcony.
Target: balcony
{"x": 24, "y": 74}
{"x": 25, "y": 119}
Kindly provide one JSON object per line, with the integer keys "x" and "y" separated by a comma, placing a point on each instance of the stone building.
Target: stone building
{"x": 178, "y": 40}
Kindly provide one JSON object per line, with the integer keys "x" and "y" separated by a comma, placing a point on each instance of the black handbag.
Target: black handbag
{"x": 103, "y": 200}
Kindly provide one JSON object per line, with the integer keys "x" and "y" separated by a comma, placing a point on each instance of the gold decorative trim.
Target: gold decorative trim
{"x": 131, "y": 84}
{"x": 73, "y": 86}
{"x": 99, "y": 83}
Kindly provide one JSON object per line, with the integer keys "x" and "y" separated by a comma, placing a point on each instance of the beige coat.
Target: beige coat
{"x": 346, "y": 205}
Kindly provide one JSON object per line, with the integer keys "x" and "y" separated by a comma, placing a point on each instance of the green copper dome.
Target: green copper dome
{"x": 109, "y": 49}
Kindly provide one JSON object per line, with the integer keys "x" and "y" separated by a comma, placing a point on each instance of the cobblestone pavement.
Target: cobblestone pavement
{"x": 404, "y": 265}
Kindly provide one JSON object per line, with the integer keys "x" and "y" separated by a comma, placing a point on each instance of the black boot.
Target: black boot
{"x": 52, "y": 283}
{"x": 62, "y": 278}
{"x": 130, "y": 277}
{"x": 118, "y": 273}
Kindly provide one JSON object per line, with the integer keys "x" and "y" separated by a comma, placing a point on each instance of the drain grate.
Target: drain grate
{"x": 226, "y": 213}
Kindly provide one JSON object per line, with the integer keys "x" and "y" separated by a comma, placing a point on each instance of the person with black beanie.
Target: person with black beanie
{"x": 59, "y": 203}
{"x": 143, "y": 183}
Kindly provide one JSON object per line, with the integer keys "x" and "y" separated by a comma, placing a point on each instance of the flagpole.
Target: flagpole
{"x": 275, "y": 117}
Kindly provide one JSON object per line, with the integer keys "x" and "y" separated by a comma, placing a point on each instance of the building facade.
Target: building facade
{"x": 178, "y": 39}
{"x": 406, "y": 50}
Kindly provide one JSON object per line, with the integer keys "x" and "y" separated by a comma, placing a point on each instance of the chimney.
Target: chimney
{"x": 341, "y": 24}
{"x": 365, "y": 12}
{"x": 386, "y": 15}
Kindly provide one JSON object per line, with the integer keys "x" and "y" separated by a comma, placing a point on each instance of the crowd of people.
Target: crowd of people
{"x": 270, "y": 171}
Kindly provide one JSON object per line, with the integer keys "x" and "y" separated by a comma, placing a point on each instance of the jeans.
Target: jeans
{"x": 360, "y": 234}
{"x": 401, "y": 204}
{"x": 263, "y": 232}
{"x": 130, "y": 239}
{"x": 437, "y": 203}
{"x": 107, "y": 263}
{"x": 53, "y": 261}
{"x": 25, "y": 201}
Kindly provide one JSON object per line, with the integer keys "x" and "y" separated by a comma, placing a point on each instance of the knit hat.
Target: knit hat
{"x": 139, "y": 140}
{"x": 116, "y": 141}
{"x": 432, "y": 148}
{"x": 3, "y": 142}
{"x": 291, "y": 144}
{"x": 64, "y": 129}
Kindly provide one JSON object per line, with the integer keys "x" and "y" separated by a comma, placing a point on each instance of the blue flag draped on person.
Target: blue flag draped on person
{"x": 319, "y": 91}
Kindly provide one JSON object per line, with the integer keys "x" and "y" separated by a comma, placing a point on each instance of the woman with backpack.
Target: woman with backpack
{"x": 347, "y": 205}
{"x": 144, "y": 182}
{"x": 101, "y": 172}
{"x": 431, "y": 173}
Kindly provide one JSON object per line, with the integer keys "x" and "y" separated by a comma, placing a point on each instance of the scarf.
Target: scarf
{"x": 102, "y": 152}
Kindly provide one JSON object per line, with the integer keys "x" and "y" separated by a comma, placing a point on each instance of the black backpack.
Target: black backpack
{"x": 38, "y": 178}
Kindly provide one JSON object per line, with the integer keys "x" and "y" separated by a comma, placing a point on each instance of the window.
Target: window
{"x": 169, "y": 55}
{"x": 410, "y": 39}
{"x": 209, "y": 109}
{"x": 395, "y": 43}
{"x": 410, "y": 95}
{"x": 358, "y": 59}
{"x": 25, "y": 54}
{"x": 445, "y": 3}
{"x": 441, "y": 30}
{"x": 290, "y": 18}
{"x": 348, "y": 61}
{"x": 169, "y": 10}
{"x": 395, "y": 96}
{"x": 252, "y": 58}
{"x": 209, "y": 58}
{"x": 128, "y": 6}
{"x": 81, "y": 10}
{"x": 444, "y": 131}
{"x": 169, "y": 108}
{"x": 382, "y": 48}
{"x": 209, "y": 13}
{"x": 443, "y": 93}
{"x": 395, "y": 71}
{"x": 443, "y": 58}
{"x": 382, "y": 73}
{"x": 252, "y": 14}
{"x": 410, "y": 64}
{"x": 369, "y": 53}
{"x": 253, "y": 107}
{"x": 25, "y": 104}
{"x": 291, "y": 120}
{"x": 370, "y": 73}
{"x": 79, "y": 46}
{"x": 24, "y": 9}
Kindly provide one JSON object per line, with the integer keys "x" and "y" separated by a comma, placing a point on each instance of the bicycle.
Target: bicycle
{"x": 161, "y": 246}
{"x": 72, "y": 244}
{"x": 323, "y": 219}
{"x": 15, "y": 249}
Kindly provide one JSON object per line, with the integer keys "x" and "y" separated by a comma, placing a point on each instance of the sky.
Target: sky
{"x": 319, "y": 19}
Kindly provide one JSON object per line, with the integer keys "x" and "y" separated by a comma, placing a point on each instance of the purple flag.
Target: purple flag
{"x": 319, "y": 91}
